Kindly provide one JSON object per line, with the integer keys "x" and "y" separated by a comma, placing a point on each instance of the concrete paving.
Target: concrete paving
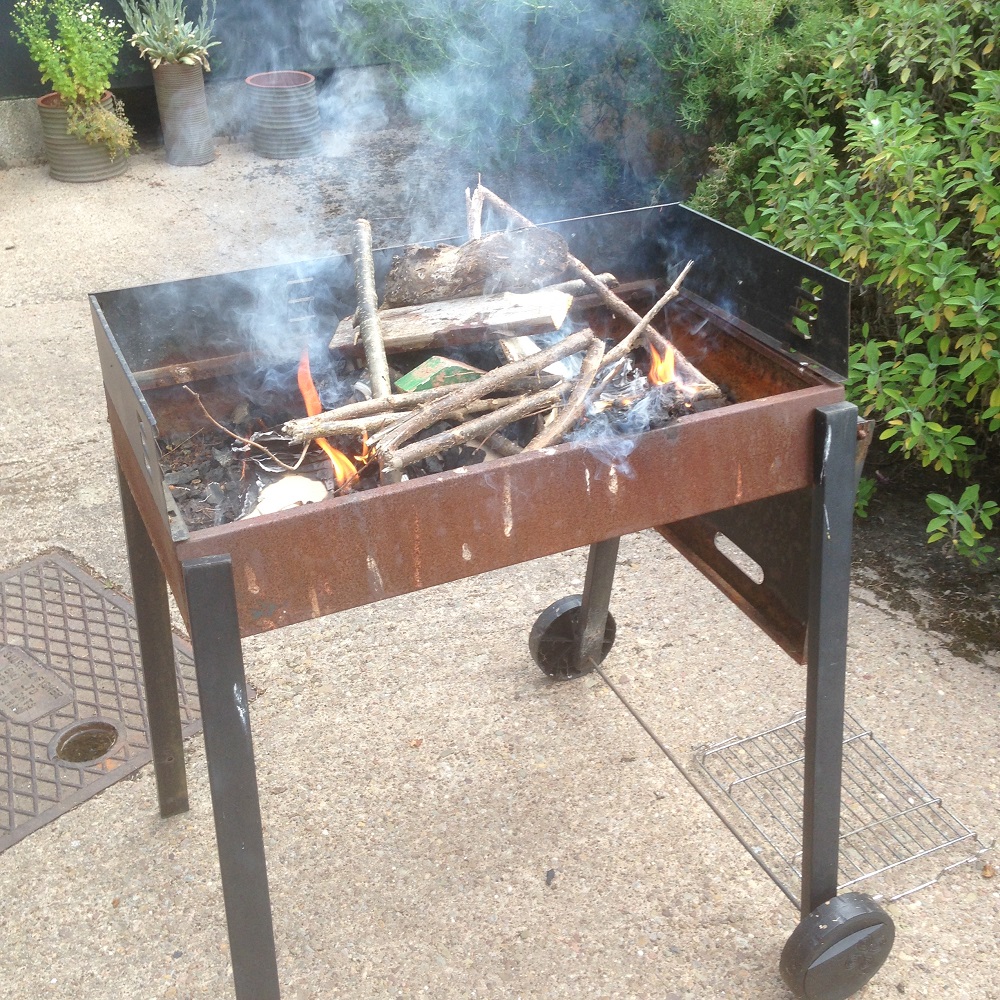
{"x": 439, "y": 819}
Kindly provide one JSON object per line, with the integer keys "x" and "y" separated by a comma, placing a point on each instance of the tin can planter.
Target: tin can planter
{"x": 70, "y": 158}
{"x": 284, "y": 114}
{"x": 183, "y": 108}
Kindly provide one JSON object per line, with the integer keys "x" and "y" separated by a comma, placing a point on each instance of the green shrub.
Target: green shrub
{"x": 877, "y": 159}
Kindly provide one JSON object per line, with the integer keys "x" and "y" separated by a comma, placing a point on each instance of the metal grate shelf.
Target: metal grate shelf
{"x": 895, "y": 835}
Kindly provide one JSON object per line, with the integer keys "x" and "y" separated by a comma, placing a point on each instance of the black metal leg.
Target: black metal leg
{"x": 156, "y": 643}
{"x": 594, "y": 606}
{"x": 222, "y": 692}
{"x": 829, "y": 595}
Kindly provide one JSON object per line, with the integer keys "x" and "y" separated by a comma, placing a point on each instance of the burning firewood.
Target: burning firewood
{"x": 518, "y": 260}
{"x": 474, "y": 430}
{"x": 616, "y": 304}
{"x": 603, "y": 383}
{"x": 387, "y": 441}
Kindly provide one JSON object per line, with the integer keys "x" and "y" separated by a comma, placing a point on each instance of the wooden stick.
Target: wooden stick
{"x": 578, "y": 286}
{"x": 625, "y": 346}
{"x": 481, "y": 427}
{"x": 577, "y": 402}
{"x": 193, "y": 371}
{"x": 371, "y": 334}
{"x": 474, "y": 213}
{"x": 245, "y": 440}
{"x": 370, "y": 423}
{"x": 490, "y": 382}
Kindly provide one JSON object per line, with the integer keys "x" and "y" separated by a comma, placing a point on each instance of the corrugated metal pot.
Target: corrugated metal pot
{"x": 180, "y": 99}
{"x": 71, "y": 158}
{"x": 284, "y": 114}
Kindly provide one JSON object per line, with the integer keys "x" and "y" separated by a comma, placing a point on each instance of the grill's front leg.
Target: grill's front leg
{"x": 232, "y": 775}
{"x": 841, "y": 941}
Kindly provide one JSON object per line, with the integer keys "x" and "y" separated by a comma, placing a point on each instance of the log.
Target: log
{"x": 472, "y": 320}
{"x": 514, "y": 261}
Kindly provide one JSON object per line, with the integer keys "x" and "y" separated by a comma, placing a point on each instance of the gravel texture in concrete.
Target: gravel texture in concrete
{"x": 440, "y": 819}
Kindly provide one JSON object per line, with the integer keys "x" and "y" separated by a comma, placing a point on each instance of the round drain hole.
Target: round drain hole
{"x": 84, "y": 742}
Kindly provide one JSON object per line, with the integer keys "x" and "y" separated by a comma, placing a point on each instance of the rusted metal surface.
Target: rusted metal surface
{"x": 361, "y": 548}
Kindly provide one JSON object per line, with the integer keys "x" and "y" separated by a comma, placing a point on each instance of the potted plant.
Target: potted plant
{"x": 177, "y": 50}
{"x": 84, "y": 130}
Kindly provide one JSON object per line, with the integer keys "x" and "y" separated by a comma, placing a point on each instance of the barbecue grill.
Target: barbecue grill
{"x": 778, "y": 463}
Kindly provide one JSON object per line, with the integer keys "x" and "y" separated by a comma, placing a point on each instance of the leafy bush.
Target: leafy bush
{"x": 876, "y": 157}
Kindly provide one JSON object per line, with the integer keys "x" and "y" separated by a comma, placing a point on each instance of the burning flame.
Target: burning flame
{"x": 344, "y": 469}
{"x": 661, "y": 370}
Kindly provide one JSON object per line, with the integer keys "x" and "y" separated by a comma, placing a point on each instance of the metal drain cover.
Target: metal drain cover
{"x": 72, "y": 706}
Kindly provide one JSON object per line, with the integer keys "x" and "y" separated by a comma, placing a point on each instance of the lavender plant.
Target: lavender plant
{"x": 162, "y": 33}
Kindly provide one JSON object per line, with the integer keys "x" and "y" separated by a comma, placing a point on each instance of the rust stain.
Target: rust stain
{"x": 417, "y": 572}
{"x": 374, "y": 576}
{"x": 508, "y": 510}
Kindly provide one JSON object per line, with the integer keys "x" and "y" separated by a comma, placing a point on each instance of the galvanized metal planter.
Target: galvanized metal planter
{"x": 71, "y": 158}
{"x": 180, "y": 98}
{"x": 285, "y": 114}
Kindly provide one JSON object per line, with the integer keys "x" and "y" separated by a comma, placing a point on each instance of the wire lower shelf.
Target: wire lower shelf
{"x": 896, "y": 837}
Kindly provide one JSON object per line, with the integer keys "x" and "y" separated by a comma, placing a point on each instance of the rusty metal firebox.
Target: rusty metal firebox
{"x": 777, "y": 463}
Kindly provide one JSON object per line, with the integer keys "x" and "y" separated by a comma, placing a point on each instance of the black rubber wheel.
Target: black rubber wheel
{"x": 837, "y": 948}
{"x": 552, "y": 641}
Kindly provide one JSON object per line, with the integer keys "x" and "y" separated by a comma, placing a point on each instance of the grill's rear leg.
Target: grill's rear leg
{"x": 156, "y": 644}
{"x": 573, "y": 635}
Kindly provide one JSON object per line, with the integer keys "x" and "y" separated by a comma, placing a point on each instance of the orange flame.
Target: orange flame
{"x": 344, "y": 469}
{"x": 661, "y": 370}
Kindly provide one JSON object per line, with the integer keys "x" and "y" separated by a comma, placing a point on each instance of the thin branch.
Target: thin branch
{"x": 367, "y": 311}
{"x": 577, "y": 402}
{"x": 249, "y": 441}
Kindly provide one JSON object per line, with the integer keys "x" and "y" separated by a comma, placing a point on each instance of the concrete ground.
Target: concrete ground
{"x": 439, "y": 819}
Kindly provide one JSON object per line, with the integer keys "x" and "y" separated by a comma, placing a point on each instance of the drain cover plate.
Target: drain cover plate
{"x": 69, "y": 653}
